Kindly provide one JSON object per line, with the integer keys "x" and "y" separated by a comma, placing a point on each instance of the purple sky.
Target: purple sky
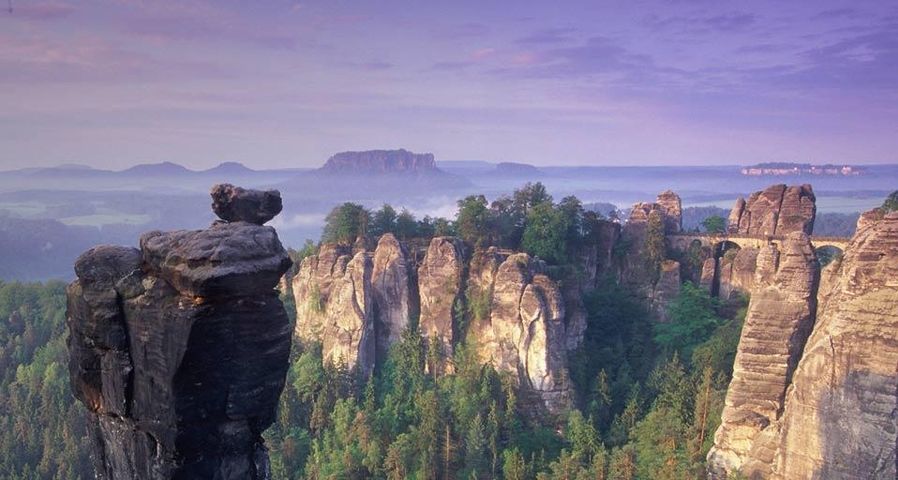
{"x": 111, "y": 83}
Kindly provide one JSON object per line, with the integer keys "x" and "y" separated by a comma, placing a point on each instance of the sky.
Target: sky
{"x": 112, "y": 83}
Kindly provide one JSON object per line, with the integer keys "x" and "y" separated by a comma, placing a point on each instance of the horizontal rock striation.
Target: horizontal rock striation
{"x": 839, "y": 420}
{"x": 780, "y": 317}
{"x": 823, "y": 407}
{"x": 179, "y": 351}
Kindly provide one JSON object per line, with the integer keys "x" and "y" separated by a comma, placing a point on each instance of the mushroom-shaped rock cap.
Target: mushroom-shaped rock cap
{"x": 236, "y": 204}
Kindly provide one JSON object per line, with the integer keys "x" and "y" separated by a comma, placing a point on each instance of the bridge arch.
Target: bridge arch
{"x": 827, "y": 253}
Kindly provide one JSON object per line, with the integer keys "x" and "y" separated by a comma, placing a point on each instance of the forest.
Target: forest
{"x": 649, "y": 394}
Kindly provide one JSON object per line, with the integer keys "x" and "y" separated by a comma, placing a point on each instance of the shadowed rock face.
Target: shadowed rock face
{"x": 779, "y": 319}
{"x": 667, "y": 288}
{"x": 776, "y": 210}
{"x": 179, "y": 351}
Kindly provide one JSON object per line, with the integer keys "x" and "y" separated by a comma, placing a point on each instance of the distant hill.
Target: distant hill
{"x": 157, "y": 169}
{"x": 517, "y": 169}
{"x": 229, "y": 168}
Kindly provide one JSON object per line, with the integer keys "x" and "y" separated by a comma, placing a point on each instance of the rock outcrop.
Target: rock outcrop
{"x": 235, "y": 204}
{"x": 672, "y": 208}
{"x": 180, "y": 350}
{"x": 349, "y": 337}
{"x": 777, "y": 210}
{"x": 667, "y": 288}
{"x": 312, "y": 288}
{"x": 335, "y": 305}
{"x": 737, "y": 272}
{"x": 839, "y": 420}
{"x": 392, "y": 283}
{"x": 441, "y": 288}
{"x": 780, "y": 317}
{"x": 524, "y": 333}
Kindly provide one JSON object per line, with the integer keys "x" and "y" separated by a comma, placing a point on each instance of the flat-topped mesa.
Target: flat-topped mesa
{"x": 180, "y": 350}
{"x": 379, "y": 162}
{"x": 777, "y": 210}
{"x": 235, "y": 204}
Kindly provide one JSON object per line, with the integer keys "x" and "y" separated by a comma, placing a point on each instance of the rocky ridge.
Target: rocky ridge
{"x": 814, "y": 389}
{"x": 179, "y": 349}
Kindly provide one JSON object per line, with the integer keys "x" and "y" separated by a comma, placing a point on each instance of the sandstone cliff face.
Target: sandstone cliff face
{"x": 179, "y": 351}
{"x": 737, "y": 272}
{"x": 524, "y": 333}
{"x": 779, "y": 319}
{"x": 672, "y": 208}
{"x": 349, "y": 337}
{"x": 776, "y": 210}
{"x": 391, "y": 281}
{"x": 440, "y": 286}
{"x": 312, "y": 288}
{"x": 840, "y": 418}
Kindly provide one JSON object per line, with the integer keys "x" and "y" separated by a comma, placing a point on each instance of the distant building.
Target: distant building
{"x": 781, "y": 169}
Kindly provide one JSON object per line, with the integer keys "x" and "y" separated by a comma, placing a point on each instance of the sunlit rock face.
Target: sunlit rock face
{"x": 312, "y": 289}
{"x": 524, "y": 333}
{"x": 776, "y": 210}
{"x": 833, "y": 415}
{"x": 780, "y": 317}
{"x": 673, "y": 211}
{"x": 179, "y": 350}
{"x": 441, "y": 289}
{"x": 349, "y": 337}
{"x": 335, "y": 305}
{"x": 395, "y": 300}
{"x": 840, "y": 418}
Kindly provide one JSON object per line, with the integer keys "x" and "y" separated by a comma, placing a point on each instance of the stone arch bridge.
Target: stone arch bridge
{"x": 682, "y": 241}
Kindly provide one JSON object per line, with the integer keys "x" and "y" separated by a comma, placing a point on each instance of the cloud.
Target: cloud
{"x": 548, "y": 36}
{"x": 729, "y": 22}
{"x": 720, "y": 23}
{"x": 196, "y": 28}
{"x": 37, "y": 59}
{"x": 42, "y": 11}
